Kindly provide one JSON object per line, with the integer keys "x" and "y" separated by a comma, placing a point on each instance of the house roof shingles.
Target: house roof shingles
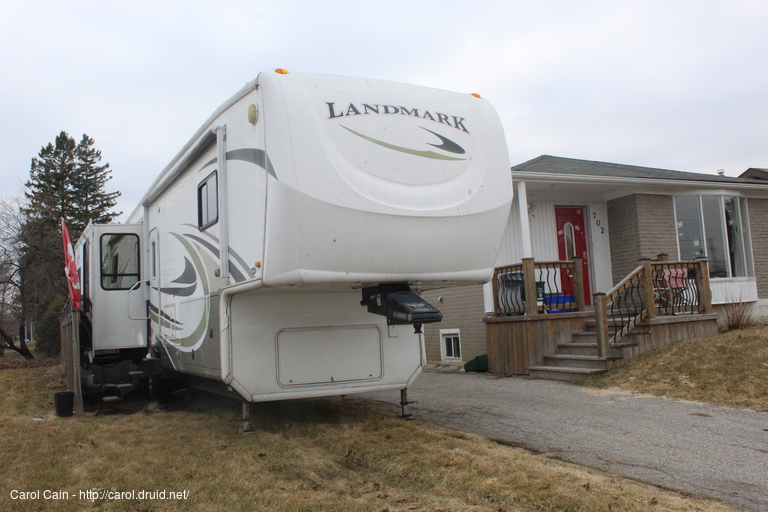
{"x": 559, "y": 165}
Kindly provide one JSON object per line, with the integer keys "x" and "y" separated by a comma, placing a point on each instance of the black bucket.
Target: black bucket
{"x": 64, "y": 403}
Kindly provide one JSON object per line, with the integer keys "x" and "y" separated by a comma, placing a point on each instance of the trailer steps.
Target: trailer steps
{"x": 122, "y": 389}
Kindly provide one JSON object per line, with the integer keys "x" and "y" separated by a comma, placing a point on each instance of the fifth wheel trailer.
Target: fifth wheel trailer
{"x": 282, "y": 251}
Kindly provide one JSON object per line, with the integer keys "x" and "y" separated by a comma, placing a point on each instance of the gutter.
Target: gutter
{"x": 533, "y": 177}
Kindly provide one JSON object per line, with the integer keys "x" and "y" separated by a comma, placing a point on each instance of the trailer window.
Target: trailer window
{"x": 119, "y": 261}
{"x": 208, "y": 201}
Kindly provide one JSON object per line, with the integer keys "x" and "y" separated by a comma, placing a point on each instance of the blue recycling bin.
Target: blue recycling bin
{"x": 559, "y": 299}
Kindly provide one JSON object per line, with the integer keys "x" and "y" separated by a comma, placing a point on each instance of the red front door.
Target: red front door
{"x": 572, "y": 241}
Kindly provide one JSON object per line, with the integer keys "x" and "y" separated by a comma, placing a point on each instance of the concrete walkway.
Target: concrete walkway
{"x": 702, "y": 449}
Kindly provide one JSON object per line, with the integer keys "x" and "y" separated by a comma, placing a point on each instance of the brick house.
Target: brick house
{"x": 612, "y": 215}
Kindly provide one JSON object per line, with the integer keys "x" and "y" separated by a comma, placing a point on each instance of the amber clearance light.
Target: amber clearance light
{"x": 281, "y": 71}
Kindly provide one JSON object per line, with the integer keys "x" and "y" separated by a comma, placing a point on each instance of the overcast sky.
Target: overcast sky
{"x": 671, "y": 84}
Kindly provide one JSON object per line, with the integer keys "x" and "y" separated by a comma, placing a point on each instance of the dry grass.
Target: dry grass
{"x": 730, "y": 369}
{"x": 307, "y": 455}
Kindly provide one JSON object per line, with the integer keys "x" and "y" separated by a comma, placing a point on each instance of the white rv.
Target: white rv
{"x": 280, "y": 254}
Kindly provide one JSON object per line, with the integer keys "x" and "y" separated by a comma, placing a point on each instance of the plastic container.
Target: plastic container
{"x": 64, "y": 402}
{"x": 478, "y": 364}
{"x": 558, "y": 299}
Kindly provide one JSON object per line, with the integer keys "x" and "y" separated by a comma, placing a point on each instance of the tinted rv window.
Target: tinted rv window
{"x": 119, "y": 261}
{"x": 208, "y": 201}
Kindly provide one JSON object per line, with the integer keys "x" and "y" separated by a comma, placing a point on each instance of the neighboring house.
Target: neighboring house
{"x": 612, "y": 215}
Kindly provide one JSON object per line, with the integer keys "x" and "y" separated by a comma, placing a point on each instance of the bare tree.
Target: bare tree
{"x": 11, "y": 315}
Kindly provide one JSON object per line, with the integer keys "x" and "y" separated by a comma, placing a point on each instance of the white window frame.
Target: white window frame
{"x": 449, "y": 333}
{"x": 745, "y": 233}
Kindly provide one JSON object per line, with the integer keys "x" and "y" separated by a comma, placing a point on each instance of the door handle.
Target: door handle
{"x": 132, "y": 289}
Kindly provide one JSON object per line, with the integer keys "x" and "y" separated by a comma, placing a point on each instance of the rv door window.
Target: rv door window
{"x": 208, "y": 201}
{"x": 119, "y": 261}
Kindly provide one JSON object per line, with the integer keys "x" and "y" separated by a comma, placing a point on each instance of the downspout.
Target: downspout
{"x": 525, "y": 225}
{"x": 221, "y": 146}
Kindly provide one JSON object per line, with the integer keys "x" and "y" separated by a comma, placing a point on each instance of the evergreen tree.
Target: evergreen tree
{"x": 48, "y": 191}
{"x": 67, "y": 181}
{"x": 89, "y": 199}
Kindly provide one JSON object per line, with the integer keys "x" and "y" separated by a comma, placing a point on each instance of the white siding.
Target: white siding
{"x": 600, "y": 265}
{"x": 544, "y": 230}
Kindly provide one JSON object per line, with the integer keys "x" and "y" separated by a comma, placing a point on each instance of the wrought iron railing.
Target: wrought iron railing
{"x": 675, "y": 287}
{"x": 654, "y": 288}
{"x": 553, "y": 286}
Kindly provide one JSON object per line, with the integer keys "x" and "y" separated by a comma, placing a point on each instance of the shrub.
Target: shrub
{"x": 49, "y": 329}
{"x": 737, "y": 315}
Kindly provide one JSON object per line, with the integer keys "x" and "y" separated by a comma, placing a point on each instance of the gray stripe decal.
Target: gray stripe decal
{"x": 251, "y": 155}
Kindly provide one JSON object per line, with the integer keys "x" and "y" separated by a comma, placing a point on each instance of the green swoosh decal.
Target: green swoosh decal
{"x": 199, "y": 331}
{"x": 415, "y": 152}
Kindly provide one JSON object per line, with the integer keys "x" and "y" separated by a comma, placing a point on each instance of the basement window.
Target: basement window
{"x": 450, "y": 344}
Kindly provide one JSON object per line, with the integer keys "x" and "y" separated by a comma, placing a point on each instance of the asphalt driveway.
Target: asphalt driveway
{"x": 691, "y": 447}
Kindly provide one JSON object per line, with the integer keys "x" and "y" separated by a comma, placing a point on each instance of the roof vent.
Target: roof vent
{"x": 721, "y": 172}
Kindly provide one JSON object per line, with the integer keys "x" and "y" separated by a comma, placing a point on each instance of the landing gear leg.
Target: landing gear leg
{"x": 246, "y": 428}
{"x": 404, "y": 403}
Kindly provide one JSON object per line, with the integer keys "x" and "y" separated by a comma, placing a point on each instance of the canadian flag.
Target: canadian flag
{"x": 70, "y": 268}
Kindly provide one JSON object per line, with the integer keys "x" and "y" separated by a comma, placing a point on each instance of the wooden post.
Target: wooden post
{"x": 649, "y": 304}
{"x": 529, "y": 284}
{"x": 601, "y": 324}
{"x": 702, "y": 283}
{"x": 76, "y": 383}
{"x": 578, "y": 283}
{"x": 662, "y": 257}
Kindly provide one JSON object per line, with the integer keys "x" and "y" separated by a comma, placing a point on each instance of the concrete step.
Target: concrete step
{"x": 576, "y": 361}
{"x": 562, "y": 372}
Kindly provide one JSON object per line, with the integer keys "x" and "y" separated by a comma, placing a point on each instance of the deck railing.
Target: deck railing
{"x": 654, "y": 288}
{"x": 556, "y": 286}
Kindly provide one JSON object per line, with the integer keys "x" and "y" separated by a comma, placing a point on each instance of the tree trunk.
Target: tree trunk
{"x": 21, "y": 349}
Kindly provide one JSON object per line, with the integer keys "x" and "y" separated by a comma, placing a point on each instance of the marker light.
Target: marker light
{"x": 253, "y": 113}
{"x": 475, "y": 95}
{"x": 281, "y": 71}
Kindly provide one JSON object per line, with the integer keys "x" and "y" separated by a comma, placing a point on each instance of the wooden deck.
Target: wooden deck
{"x": 646, "y": 310}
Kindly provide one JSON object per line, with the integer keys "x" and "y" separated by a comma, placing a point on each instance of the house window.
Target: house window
{"x": 712, "y": 227}
{"x": 208, "y": 201}
{"x": 119, "y": 261}
{"x": 450, "y": 344}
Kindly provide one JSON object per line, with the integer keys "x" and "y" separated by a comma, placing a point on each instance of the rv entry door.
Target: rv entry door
{"x": 119, "y": 292}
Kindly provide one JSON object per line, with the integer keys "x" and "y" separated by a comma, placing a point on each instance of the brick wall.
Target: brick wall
{"x": 641, "y": 226}
{"x": 758, "y": 225}
{"x": 462, "y": 308}
{"x": 657, "y": 226}
{"x": 625, "y": 236}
